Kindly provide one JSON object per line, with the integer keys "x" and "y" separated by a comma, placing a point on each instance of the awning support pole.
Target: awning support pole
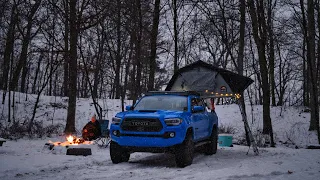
{"x": 247, "y": 128}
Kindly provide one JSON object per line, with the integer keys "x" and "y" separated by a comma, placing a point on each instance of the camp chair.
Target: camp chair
{"x": 104, "y": 139}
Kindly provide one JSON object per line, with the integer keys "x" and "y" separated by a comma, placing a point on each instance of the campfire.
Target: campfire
{"x": 70, "y": 146}
{"x": 71, "y": 141}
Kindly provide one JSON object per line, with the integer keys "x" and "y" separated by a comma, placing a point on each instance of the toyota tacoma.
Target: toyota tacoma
{"x": 164, "y": 121}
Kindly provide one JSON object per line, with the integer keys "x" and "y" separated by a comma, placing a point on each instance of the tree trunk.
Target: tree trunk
{"x": 176, "y": 35}
{"x": 82, "y": 84}
{"x": 86, "y": 76}
{"x": 70, "y": 126}
{"x": 8, "y": 51}
{"x": 124, "y": 88}
{"x": 131, "y": 74}
{"x": 137, "y": 69}
{"x": 9, "y": 106}
{"x": 66, "y": 49}
{"x": 96, "y": 79}
{"x": 311, "y": 59}
{"x": 23, "y": 78}
{"x": 242, "y": 36}
{"x": 306, "y": 92}
{"x": 118, "y": 55}
{"x": 314, "y": 101}
{"x": 153, "y": 43}
{"x": 271, "y": 53}
{"x": 50, "y": 70}
{"x": 36, "y": 74}
{"x": 138, "y": 49}
{"x": 281, "y": 80}
{"x": 259, "y": 29}
{"x": 3, "y": 6}
{"x": 97, "y": 71}
{"x": 240, "y": 59}
{"x": 51, "y": 58}
{"x": 25, "y": 45}
{"x": 21, "y": 62}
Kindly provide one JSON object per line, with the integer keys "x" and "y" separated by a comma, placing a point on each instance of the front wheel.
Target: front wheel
{"x": 211, "y": 147}
{"x": 184, "y": 152}
{"x": 118, "y": 154}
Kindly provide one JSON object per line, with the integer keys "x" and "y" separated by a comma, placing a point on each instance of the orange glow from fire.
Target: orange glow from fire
{"x": 71, "y": 140}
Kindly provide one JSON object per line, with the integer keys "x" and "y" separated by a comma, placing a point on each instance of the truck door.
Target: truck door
{"x": 200, "y": 119}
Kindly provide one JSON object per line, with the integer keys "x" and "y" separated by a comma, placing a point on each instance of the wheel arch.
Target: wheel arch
{"x": 214, "y": 126}
{"x": 190, "y": 132}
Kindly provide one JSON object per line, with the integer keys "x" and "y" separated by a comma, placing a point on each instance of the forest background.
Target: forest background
{"x": 118, "y": 49}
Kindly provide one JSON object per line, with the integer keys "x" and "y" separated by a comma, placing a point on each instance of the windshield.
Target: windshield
{"x": 163, "y": 102}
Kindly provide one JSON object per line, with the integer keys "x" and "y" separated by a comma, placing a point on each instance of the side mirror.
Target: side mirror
{"x": 198, "y": 108}
{"x": 129, "y": 108}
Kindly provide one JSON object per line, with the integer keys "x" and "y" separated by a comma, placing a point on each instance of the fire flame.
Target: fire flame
{"x": 71, "y": 140}
{"x": 74, "y": 140}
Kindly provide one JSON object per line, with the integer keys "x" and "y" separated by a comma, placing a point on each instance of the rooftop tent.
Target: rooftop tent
{"x": 208, "y": 80}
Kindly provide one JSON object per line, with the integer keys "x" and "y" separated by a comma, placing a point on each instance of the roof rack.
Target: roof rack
{"x": 181, "y": 93}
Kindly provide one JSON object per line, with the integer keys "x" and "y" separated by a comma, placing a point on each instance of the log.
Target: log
{"x": 79, "y": 151}
{"x": 49, "y": 146}
{"x": 313, "y": 147}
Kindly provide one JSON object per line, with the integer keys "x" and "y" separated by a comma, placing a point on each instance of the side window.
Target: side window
{"x": 200, "y": 102}
{"x": 196, "y": 102}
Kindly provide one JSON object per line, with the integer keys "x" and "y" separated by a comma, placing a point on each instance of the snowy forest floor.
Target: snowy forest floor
{"x": 28, "y": 159}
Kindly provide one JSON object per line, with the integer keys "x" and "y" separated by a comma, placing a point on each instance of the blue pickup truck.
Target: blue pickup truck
{"x": 164, "y": 121}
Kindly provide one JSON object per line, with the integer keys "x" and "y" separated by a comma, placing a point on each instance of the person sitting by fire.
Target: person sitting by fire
{"x": 92, "y": 130}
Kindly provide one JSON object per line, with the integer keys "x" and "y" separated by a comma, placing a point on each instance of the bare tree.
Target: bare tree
{"x": 256, "y": 9}
{"x": 74, "y": 32}
{"x": 27, "y": 36}
{"x": 79, "y": 21}
{"x": 176, "y": 34}
{"x": 242, "y": 9}
{"x": 312, "y": 69}
{"x": 66, "y": 48}
{"x": 118, "y": 52}
{"x": 153, "y": 43}
{"x": 271, "y": 52}
{"x": 7, "y": 59}
{"x": 49, "y": 72}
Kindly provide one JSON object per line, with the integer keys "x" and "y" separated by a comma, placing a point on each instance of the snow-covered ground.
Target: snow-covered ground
{"x": 28, "y": 159}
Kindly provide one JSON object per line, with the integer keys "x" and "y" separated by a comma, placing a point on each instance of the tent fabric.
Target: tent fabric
{"x": 198, "y": 79}
{"x": 200, "y": 76}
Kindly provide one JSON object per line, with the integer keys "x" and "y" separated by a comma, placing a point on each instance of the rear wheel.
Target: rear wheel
{"x": 118, "y": 154}
{"x": 184, "y": 152}
{"x": 211, "y": 147}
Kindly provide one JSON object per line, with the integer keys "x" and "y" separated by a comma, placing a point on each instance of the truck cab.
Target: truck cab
{"x": 164, "y": 121}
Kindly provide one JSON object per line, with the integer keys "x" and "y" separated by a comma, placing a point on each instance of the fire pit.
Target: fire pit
{"x": 72, "y": 145}
{"x": 79, "y": 151}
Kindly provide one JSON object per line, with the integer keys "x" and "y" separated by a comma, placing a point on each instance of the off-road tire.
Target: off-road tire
{"x": 211, "y": 147}
{"x": 125, "y": 156}
{"x": 184, "y": 152}
{"x": 118, "y": 154}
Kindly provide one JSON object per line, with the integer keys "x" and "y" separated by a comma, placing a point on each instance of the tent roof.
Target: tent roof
{"x": 237, "y": 82}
